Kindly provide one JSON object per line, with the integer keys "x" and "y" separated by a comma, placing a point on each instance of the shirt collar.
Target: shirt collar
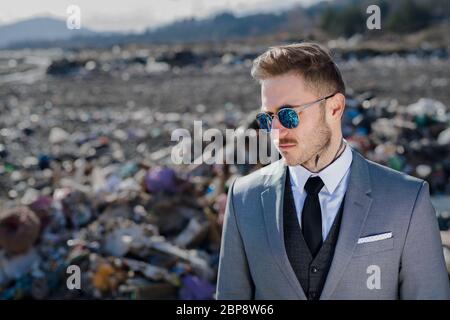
{"x": 331, "y": 175}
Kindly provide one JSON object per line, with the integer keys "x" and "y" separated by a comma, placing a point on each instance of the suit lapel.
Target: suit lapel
{"x": 356, "y": 207}
{"x": 272, "y": 202}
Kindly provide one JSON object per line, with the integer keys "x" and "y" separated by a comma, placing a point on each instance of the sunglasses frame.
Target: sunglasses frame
{"x": 296, "y": 108}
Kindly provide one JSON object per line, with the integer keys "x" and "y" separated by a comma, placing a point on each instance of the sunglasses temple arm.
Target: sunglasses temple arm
{"x": 306, "y": 106}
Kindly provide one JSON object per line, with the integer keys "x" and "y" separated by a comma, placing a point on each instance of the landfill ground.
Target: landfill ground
{"x": 85, "y": 151}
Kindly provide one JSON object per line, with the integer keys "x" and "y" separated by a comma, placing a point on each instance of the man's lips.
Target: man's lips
{"x": 285, "y": 146}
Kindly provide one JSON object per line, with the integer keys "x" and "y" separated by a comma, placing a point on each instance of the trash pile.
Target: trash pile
{"x": 414, "y": 139}
{"x": 136, "y": 232}
{"x": 104, "y": 195}
{"x": 150, "y": 61}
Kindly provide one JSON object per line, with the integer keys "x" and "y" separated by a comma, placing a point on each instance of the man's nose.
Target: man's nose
{"x": 276, "y": 125}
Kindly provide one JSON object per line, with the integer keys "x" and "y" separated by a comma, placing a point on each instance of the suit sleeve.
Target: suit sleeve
{"x": 234, "y": 279}
{"x": 423, "y": 274}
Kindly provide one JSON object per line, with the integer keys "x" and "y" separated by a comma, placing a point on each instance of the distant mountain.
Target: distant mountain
{"x": 220, "y": 27}
{"x": 38, "y": 29}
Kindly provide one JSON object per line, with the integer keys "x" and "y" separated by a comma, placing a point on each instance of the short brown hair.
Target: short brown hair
{"x": 309, "y": 60}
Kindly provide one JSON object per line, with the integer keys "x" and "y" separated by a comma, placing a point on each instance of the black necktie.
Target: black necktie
{"x": 312, "y": 216}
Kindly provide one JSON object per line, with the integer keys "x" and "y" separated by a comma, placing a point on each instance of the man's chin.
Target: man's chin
{"x": 289, "y": 160}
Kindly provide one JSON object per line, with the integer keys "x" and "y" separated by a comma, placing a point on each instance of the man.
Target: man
{"x": 323, "y": 222}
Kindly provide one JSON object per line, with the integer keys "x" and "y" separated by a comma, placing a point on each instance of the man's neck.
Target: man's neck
{"x": 326, "y": 156}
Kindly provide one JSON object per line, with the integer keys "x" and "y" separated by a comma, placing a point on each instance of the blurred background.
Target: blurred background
{"x": 86, "y": 117}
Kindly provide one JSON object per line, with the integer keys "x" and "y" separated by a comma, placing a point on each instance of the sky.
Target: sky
{"x": 135, "y": 15}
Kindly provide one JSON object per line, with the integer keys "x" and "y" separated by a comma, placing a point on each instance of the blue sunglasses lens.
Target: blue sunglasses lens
{"x": 264, "y": 121}
{"x": 288, "y": 118}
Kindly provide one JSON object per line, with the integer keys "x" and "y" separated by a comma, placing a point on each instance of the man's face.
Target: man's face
{"x": 312, "y": 135}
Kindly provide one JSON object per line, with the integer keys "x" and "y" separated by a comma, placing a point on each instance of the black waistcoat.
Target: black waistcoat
{"x": 311, "y": 271}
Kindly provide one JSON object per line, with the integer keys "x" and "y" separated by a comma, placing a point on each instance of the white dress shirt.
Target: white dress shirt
{"x": 335, "y": 178}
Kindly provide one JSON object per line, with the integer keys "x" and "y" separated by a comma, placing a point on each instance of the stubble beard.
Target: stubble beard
{"x": 307, "y": 153}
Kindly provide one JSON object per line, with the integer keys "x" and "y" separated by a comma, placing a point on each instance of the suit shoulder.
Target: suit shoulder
{"x": 392, "y": 179}
{"x": 256, "y": 180}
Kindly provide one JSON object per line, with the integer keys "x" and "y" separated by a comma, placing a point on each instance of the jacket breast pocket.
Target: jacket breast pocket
{"x": 363, "y": 249}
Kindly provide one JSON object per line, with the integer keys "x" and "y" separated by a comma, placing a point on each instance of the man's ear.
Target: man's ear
{"x": 336, "y": 104}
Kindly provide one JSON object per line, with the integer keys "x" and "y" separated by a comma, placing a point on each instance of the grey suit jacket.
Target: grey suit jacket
{"x": 408, "y": 265}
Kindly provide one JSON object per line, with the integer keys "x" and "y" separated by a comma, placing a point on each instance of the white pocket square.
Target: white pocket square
{"x": 377, "y": 237}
